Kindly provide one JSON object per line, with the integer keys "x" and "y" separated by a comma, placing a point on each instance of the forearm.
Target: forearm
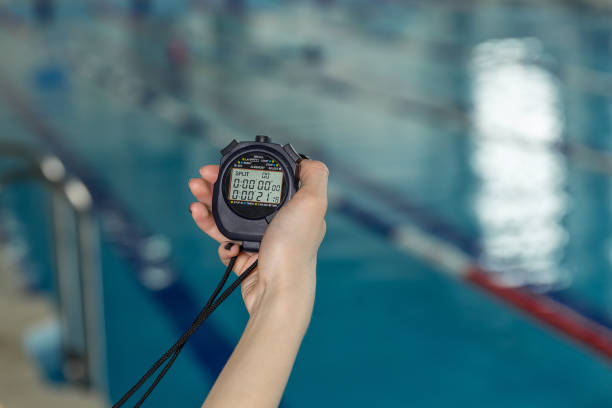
{"x": 256, "y": 374}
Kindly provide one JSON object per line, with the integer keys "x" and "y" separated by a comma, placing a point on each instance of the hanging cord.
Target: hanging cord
{"x": 194, "y": 327}
{"x": 212, "y": 303}
{"x": 183, "y": 337}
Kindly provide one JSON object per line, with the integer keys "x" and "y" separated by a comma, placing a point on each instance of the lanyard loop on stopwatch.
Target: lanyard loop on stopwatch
{"x": 255, "y": 180}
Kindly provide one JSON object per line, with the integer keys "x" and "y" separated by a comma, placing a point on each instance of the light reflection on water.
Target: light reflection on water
{"x": 520, "y": 201}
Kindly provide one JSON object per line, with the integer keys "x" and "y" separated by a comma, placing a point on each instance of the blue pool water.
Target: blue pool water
{"x": 471, "y": 116}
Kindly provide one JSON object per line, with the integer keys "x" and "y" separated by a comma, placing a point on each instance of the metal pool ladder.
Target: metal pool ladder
{"x": 76, "y": 261}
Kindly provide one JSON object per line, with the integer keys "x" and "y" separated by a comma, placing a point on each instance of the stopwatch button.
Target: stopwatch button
{"x": 229, "y": 147}
{"x": 292, "y": 153}
{"x": 262, "y": 139}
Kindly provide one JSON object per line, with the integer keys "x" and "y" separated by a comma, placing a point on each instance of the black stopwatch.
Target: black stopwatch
{"x": 255, "y": 180}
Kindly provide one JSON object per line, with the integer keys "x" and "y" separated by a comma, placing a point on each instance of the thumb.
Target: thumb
{"x": 313, "y": 177}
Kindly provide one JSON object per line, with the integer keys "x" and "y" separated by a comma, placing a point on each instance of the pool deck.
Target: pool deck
{"x": 20, "y": 384}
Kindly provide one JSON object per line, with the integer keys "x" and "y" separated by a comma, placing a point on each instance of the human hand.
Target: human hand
{"x": 286, "y": 271}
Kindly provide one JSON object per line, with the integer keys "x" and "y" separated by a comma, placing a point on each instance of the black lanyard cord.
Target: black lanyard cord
{"x": 212, "y": 303}
{"x": 159, "y": 377}
{"x": 168, "y": 353}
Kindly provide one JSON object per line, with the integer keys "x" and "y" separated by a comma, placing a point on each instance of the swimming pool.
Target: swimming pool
{"x": 485, "y": 124}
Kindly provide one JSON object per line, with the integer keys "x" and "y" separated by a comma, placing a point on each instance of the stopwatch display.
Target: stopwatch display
{"x": 255, "y": 185}
{"x": 255, "y": 180}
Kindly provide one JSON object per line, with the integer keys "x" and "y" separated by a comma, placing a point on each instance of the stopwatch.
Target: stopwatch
{"x": 255, "y": 180}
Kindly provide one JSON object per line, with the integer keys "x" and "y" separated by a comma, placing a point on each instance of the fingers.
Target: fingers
{"x": 210, "y": 173}
{"x": 204, "y": 219}
{"x": 202, "y": 190}
{"x": 229, "y": 249}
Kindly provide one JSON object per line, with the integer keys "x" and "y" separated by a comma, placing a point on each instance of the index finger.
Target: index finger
{"x": 210, "y": 173}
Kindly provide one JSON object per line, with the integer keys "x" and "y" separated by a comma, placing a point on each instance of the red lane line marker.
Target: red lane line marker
{"x": 548, "y": 311}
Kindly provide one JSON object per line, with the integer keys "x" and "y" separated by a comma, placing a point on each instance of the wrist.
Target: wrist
{"x": 282, "y": 322}
{"x": 287, "y": 303}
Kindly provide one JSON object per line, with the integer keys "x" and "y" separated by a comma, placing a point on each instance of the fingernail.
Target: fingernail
{"x": 229, "y": 246}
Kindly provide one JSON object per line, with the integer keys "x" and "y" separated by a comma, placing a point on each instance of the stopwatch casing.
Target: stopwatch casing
{"x": 255, "y": 180}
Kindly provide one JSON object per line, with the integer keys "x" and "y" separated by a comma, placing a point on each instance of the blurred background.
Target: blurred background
{"x": 468, "y": 254}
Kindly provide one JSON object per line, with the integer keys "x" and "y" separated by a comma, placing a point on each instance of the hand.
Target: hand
{"x": 286, "y": 270}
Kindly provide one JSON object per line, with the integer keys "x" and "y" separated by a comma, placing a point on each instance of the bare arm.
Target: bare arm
{"x": 258, "y": 370}
{"x": 279, "y": 295}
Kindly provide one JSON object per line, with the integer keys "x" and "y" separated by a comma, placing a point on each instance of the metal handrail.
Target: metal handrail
{"x": 81, "y": 366}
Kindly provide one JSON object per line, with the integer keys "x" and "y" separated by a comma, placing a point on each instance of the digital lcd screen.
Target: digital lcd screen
{"x": 256, "y": 186}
